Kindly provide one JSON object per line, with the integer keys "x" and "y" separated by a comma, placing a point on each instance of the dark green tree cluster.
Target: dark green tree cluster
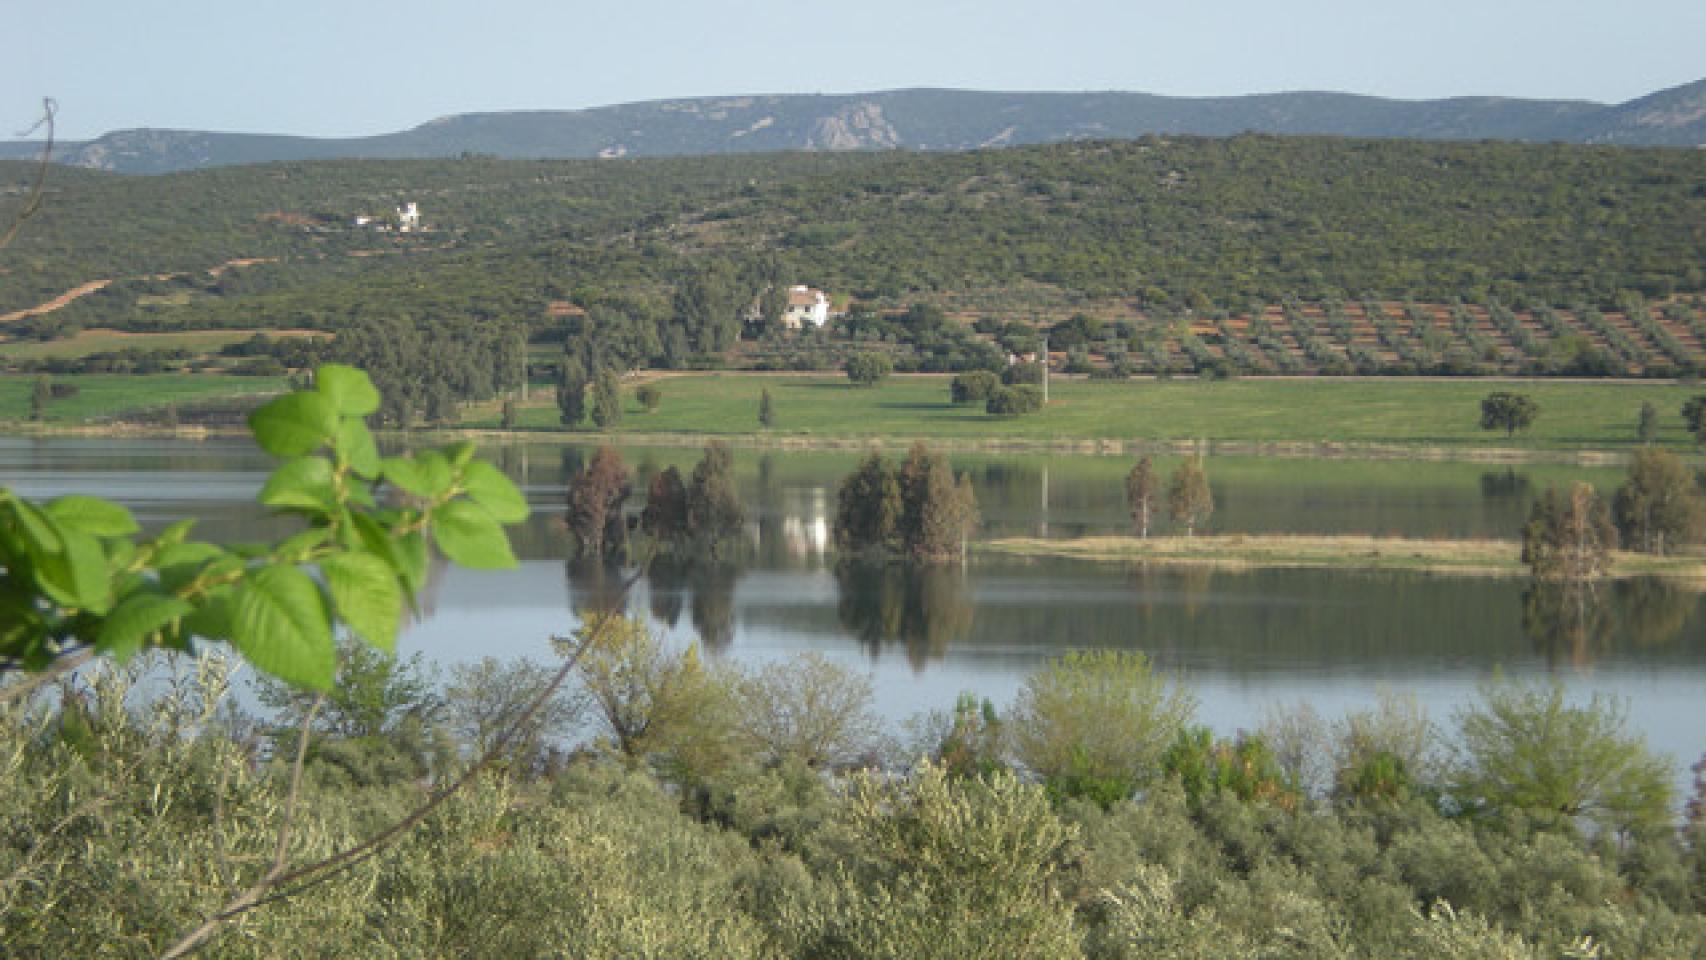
{"x": 868, "y": 369}
{"x": 424, "y": 369}
{"x": 919, "y": 511}
{"x": 702, "y": 514}
{"x": 1510, "y": 412}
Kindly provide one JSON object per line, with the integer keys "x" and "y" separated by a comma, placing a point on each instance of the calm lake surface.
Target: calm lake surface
{"x": 1244, "y": 641}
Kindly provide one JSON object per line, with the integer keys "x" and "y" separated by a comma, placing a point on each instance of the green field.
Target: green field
{"x": 104, "y": 397}
{"x": 1334, "y": 411}
{"x": 103, "y": 341}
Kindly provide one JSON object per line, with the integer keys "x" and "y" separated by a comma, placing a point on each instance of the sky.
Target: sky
{"x": 357, "y": 67}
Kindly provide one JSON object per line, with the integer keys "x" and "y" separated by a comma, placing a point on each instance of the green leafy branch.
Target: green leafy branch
{"x": 76, "y": 583}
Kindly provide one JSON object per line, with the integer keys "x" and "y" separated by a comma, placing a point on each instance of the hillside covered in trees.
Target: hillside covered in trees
{"x": 1256, "y": 254}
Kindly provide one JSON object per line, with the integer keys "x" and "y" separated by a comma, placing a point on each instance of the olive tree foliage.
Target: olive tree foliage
{"x": 1190, "y": 502}
{"x": 944, "y": 869}
{"x": 1569, "y": 537}
{"x": 1098, "y": 722}
{"x": 1659, "y": 507}
{"x": 76, "y": 580}
{"x": 1529, "y": 748}
{"x": 1510, "y": 412}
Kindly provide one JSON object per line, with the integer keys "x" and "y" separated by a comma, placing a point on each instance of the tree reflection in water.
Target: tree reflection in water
{"x": 925, "y": 608}
{"x": 703, "y": 587}
{"x": 1579, "y": 623}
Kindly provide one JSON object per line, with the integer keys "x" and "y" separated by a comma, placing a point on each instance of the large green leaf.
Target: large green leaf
{"x": 294, "y": 424}
{"x": 280, "y": 623}
{"x": 471, "y": 536}
{"x": 426, "y": 475}
{"x": 354, "y": 443}
{"x": 304, "y": 483}
{"x": 77, "y": 575}
{"x": 349, "y": 390}
{"x": 92, "y": 515}
{"x": 365, "y": 593}
{"x": 137, "y": 617}
{"x": 489, "y": 488}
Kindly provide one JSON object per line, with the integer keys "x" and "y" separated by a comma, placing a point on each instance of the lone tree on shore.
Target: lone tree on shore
{"x": 1189, "y": 499}
{"x": 1142, "y": 494}
{"x": 1509, "y": 412}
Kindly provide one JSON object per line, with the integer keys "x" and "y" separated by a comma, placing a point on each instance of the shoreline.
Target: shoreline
{"x": 1087, "y": 447}
{"x": 1468, "y": 558}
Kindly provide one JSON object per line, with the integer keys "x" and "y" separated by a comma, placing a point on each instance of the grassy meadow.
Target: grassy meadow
{"x": 1585, "y": 415}
{"x": 105, "y": 397}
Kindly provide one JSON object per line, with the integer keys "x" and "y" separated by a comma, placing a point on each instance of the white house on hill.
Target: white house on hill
{"x": 408, "y": 218}
{"x": 805, "y": 305}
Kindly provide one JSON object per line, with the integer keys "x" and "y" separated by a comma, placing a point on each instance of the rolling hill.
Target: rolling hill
{"x": 920, "y": 119}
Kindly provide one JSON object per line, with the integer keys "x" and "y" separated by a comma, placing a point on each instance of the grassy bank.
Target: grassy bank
{"x": 110, "y": 397}
{"x": 1492, "y": 558}
{"x": 1305, "y": 412}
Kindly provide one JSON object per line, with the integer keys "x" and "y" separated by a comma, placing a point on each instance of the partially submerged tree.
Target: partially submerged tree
{"x": 868, "y": 507}
{"x": 1569, "y": 537}
{"x": 714, "y": 513}
{"x": 1142, "y": 495}
{"x": 1189, "y": 500}
{"x": 920, "y": 511}
{"x": 595, "y": 501}
{"x": 1659, "y": 507}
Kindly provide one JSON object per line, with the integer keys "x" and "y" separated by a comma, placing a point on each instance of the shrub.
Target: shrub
{"x": 868, "y": 369}
{"x": 1014, "y": 401}
{"x": 973, "y": 386}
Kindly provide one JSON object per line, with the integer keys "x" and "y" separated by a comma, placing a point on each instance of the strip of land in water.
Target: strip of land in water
{"x": 1478, "y": 558}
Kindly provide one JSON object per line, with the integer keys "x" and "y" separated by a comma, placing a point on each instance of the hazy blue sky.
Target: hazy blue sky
{"x": 342, "y": 67}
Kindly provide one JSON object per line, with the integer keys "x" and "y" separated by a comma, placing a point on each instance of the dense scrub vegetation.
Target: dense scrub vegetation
{"x": 1243, "y": 255}
{"x": 711, "y": 811}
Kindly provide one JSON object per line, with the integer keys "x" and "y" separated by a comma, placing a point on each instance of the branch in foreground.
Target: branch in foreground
{"x": 32, "y": 201}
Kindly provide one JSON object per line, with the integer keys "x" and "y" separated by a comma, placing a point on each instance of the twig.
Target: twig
{"x": 35, "y": 681}
{"x": 280, "y": 884}
{"x": 32, "y": 203}
{"x": 248, "y": 898}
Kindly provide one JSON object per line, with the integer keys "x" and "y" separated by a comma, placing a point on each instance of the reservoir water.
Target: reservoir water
{"x": 1244, "y": 641}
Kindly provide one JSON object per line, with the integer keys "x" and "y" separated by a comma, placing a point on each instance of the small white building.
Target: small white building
{"x": 408, "y": 218}
{"x": 806, "y": 305}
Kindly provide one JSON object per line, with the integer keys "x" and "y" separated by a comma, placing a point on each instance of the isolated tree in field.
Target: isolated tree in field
{"x": 596, "y": 496}
{"x": 1142, "y": 495}
{"x": 1189, "y": 500}
{"x": 868, "y": 369}
{"x": 649, "y": 396}
{"x": 665, "y": 516}
{"x": 607, "y": 400}
{"x": 1647, "y": 428}
{"x": 571, "y": 390}
{"x": 40, "y": 395}
{"x": 868, "y": 507}
{"x": 1527, "y": 748}
{"x": 1097, "y": 723}
{"x": 1014, "y": 401}
{"x": 973, "y": 387}
{"x": 1569, "y": 536}
{"x": 1694, "y": 414}
{"x": 1659, "y": 507}
{"x": 766, "y": 409}
{"x": 1509, "y": 412}
{"x": 714, "y": 513}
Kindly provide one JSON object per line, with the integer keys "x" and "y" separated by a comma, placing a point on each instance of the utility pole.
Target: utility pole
{"x": 1045, "y": 369}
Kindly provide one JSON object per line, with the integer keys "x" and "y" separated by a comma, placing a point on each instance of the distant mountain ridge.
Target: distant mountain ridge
{"x": 918, "y": 119}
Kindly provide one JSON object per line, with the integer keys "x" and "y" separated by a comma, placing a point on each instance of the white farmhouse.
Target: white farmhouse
{"x": 806, "y": 305}
{"x": 408, "y": 218}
